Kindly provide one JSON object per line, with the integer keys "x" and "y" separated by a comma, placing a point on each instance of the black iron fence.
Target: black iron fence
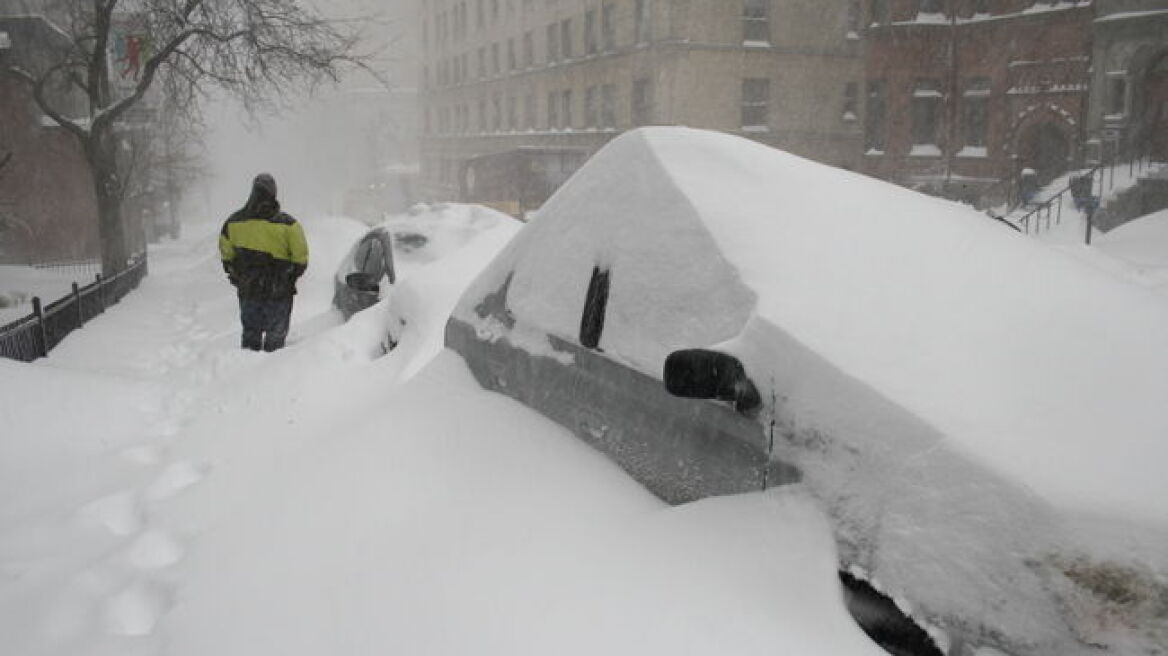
{"x": 34, "y": 336}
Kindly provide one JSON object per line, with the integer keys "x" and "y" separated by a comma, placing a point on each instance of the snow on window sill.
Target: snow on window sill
{"x": 934, "y": 18}
{"x": 873, "y": 152}
{"x": 756, "y": 128}
{"x": 756, "y": 44}
{"x": 973, "y": 151}
{"x": 849, "y": 117}
{"x": 925, "y": 150}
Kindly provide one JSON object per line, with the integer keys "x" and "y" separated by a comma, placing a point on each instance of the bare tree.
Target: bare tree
{"x": 256, "y": 50}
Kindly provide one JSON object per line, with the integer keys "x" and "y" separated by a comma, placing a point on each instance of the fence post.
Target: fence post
{"x": 77, "y": 302}
{"x": 100, "y": 296}
{"x": 40, "y": 316}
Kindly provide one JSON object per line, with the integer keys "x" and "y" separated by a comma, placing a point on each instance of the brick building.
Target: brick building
{"x": 962, "y": 95}
{"x": 47, "y": 206}
{"x": 516, "y": 94}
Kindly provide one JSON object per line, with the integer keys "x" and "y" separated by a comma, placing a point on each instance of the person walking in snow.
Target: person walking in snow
{"x": 264, "y": 253}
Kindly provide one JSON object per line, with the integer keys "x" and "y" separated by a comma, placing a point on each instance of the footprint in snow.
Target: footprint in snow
{"x": 176, "y": 478}
{"x": 154, "y": 550}
{"x": 120, "y": 513}
{"x": 136, "y": 610}
{"x": 144, "y": 455}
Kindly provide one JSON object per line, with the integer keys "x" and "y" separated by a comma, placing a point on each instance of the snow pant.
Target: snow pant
{"x": 265, "y": 322}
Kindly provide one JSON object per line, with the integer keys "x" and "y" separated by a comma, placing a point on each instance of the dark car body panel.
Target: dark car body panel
{"x": 680, "y": 449}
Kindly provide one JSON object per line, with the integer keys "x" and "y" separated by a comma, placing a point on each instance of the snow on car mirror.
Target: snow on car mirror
{"x": 703, "y": 374}
{"x": 361, "y": 282}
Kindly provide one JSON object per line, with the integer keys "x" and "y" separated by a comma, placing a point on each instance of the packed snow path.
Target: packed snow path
{"x": 164, "y": 492}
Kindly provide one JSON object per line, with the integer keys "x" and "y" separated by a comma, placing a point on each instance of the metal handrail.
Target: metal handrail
{"x": 1043, "y": 209}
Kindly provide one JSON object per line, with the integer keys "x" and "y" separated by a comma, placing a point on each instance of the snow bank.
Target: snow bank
{"x": 200, "y": 499}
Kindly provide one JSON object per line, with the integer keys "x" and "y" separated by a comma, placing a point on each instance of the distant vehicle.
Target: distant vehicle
{"x": 520, "y": 180}
{"x": 720, "y": 317}
{"x": 362, "y": 275}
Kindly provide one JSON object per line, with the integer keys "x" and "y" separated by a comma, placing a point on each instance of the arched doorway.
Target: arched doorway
{"x": 1045, "y": 148}
{"x": 1154, "y": 117}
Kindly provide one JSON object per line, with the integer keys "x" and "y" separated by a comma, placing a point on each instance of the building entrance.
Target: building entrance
{"x": 1044, "y": 148}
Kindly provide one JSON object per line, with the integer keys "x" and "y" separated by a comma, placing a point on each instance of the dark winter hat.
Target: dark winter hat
{"x": 266, "y": 182}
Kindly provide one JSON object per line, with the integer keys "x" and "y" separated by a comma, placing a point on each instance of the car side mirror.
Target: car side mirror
{"x": 362, "y": 282}
{"x": 703, "y": 374}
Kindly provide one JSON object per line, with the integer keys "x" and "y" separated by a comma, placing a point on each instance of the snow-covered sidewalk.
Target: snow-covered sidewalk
{"x": 163, "y": 492}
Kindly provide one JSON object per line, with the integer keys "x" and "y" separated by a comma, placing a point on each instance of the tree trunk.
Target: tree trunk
{"x": 107, "y": 190}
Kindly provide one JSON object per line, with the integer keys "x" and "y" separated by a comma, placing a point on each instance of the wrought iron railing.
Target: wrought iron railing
{"x": 35, "y": 335}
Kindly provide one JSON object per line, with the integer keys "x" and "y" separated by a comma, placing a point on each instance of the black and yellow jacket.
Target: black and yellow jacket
{"x": 263, "y": 249}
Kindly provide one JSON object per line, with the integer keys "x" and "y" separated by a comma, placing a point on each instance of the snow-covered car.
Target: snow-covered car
{"x": 406, "y": 242}
{"x": 982, "y": 417}
{"x": 359, "y": 280}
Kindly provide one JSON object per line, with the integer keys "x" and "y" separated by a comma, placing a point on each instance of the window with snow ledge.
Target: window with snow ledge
{"x": 1116, "y": 95}
{"x": 973, "y": 151}
{"x": 756, "y": 28}
{"x": 756, "y": 93}
{"x": 926, "y": 116}
{"x": 975, "y": 103}
{"x": 925, "y": 150}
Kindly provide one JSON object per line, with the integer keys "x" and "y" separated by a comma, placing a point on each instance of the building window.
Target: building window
{"x": 494, "y": 11}
{"x": 591, "y": 44}
{"x": 854, "y": 27}
{"x": 879, "y": 11}
{"x": 497, "y": 119}
{"x": 591, "y": 113}
{"x": 512, "y": 60}
{"x": 975, "y": 113}
{"x": 529, "y": 112}
{"x": 608, "y": 26}
{"x": 642, "y": 23}
{"x": 876, "y": 108}
{"x": 642, "y": 102}
{"x": 566, "y": 38}
{"x": 553, "y": 42}
{"x": 496, "y": 68}
{"x": 851, "y": 101}
{"x": 482, "y": 115}
{"x": 482, "y": 62}
{"x": 553, "y": 110}
{"x": 1116, "y": 94}
{"x": 608, "y": 105}
{"x": 566, "y": 108}
{"x": 931, "y": 6}
{"x": 756, "y": 27}
{"x": 528, "y": 49}
{"x": 756, "y": 95}
{"x": 480, "y": 15}
{"x": 926, "y": 116}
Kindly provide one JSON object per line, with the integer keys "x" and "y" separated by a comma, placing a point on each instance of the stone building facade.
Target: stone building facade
{"x": 963, "y": 95}
{"x": 1129, "y": 85}
{"x": 531, "y": 88}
